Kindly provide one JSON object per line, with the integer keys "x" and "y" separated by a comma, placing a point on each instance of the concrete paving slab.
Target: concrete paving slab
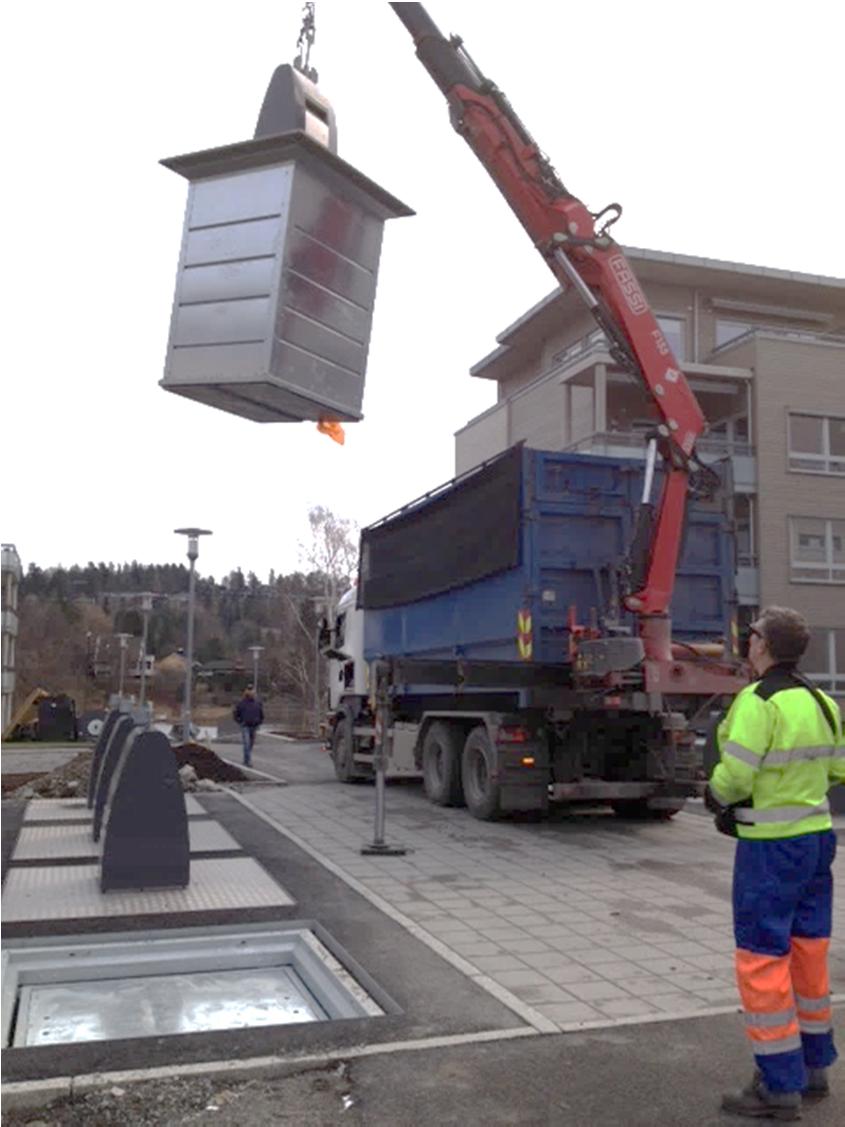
{"x": 69, "y": 892}
{"x": 51, "y": 842}
{"x": 76, "y": 809}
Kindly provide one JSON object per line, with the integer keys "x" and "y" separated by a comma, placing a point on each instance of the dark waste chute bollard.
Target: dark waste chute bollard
{"x": 99, "y": 751}
{"x": 145, "y": 840}
{"x": 111, "y": 757}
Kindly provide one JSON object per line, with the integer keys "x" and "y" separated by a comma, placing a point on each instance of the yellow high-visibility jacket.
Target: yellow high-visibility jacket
{"x": 778, "y": 750}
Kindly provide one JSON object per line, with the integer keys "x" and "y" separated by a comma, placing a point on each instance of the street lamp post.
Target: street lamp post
{"x": 193, "y": 535}
{"x": 319, "y": 608}
{"x": 146, "y": 607}
{"x": 123, "y": 639}
{"x": 255, "y": 651}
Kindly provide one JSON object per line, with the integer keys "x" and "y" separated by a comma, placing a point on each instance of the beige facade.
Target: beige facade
{"x": 764, "y": 351}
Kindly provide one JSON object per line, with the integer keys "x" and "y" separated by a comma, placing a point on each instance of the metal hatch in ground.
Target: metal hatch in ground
{"x": 158, "y": 1005}
{"x": 188, "y": 980}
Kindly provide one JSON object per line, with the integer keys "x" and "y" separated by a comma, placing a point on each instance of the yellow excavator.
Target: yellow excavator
{"x": 29, "y": 719}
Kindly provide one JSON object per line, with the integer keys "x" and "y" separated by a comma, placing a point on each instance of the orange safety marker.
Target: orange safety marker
{"x": 333, "y": 429}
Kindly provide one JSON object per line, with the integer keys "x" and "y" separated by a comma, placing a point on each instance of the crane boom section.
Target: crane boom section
{"x": 581, "y": 257}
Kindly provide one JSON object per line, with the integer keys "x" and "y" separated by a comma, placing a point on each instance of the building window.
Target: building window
{"x": 674, "y": 329}
{"x": 726, "y": 331}
{"x": 746, "y": 548}
{"x": 824, "y": 661}
{"x": 817, "y": 550}
{"x": 817, "y": 444}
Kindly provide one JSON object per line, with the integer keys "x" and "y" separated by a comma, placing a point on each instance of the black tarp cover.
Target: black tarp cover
{"x": 466, "y": 532}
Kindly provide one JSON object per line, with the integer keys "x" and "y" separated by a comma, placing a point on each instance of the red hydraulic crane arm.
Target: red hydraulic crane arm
{"x": 582, "y": 256}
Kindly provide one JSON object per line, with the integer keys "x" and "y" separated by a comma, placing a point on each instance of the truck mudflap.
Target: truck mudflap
{"x": 523, "y": 797}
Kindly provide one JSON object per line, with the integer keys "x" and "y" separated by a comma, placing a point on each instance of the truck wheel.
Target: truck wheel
{"x": 344, "y": 764}
{"x": 639, "y": 810}
{"x": 441, "y": 765}
{"x": 481, "y": 791}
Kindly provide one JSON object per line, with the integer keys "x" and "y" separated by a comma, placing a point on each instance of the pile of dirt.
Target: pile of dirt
{"x": 68, "y": 781}
{"x": 207, "y": 764}
{"x": 12, "y": 782}
{"x": 71, "y": 780}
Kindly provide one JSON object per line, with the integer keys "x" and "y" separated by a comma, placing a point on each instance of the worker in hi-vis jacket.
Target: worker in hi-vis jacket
{"x": 781, "y": 747}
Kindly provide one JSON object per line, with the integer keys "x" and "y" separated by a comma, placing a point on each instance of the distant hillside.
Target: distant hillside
{"x": 69, "y": 618}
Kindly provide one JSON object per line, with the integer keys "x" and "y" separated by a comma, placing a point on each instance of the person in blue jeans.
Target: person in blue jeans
{"x": 250, "y": 716}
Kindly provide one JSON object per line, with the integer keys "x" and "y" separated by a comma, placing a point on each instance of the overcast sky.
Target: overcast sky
{"x": 718, "y": 126}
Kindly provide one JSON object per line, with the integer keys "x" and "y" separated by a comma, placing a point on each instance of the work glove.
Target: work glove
{"x": 724, "y": 817}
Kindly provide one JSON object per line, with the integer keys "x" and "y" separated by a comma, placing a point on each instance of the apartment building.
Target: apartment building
{"x": 11, "y": 577}
{"x": 764, "y": 351}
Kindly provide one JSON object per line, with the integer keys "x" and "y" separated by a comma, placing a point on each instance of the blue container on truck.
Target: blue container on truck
{"x": 531, "y": 531}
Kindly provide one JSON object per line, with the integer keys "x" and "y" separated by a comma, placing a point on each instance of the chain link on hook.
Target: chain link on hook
{"x": 305, "y": 42}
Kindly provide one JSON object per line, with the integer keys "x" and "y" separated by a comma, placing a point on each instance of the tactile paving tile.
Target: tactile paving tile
{"x": 67, "y": 892}
{"x": 54, "y": 842}
{"x": 76, "y": 809}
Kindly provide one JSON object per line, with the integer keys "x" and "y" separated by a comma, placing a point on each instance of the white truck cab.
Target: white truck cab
{"x": 343, "y": 646}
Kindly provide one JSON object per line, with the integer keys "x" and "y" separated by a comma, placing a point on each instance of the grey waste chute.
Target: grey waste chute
{"x": 145, "y": 840}
{"x": 293, "y": 102}
{"x": 99, "y": 751}
{"x": 108, "y": 764}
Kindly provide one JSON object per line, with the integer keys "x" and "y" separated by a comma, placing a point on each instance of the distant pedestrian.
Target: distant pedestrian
{"x": 250, "y": 716}
{"x": 781, "y": 749}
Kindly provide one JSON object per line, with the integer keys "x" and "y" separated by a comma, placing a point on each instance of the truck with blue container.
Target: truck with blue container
{"x": 473, "y": 597}
{"x": 541, "y": 628}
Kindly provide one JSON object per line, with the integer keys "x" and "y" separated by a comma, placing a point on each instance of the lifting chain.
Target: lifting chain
{"x": 305, "y": 42}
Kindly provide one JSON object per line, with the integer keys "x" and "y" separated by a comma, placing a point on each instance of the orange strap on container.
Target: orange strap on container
{"x": 333, "y": 429}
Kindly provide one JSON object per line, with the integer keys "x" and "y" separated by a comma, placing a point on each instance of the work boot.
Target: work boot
{"x": 757, "y": 1102}
{"x": 817, "y": 1084}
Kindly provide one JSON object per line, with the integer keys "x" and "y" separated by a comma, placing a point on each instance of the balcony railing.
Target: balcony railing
{"x": 799, "y": 336}
{"x": 603, "y": 441}
{"x": 595, "y": 339}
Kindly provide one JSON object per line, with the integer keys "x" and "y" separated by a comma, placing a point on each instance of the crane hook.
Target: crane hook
{"x": 305, "y": 42}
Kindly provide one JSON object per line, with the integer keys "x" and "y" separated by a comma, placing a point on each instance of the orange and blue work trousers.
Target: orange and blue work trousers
{"x": 782, "y": 902}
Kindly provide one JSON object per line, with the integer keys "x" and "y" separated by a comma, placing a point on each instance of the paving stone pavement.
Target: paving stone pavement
{"x": 582, "y": 918}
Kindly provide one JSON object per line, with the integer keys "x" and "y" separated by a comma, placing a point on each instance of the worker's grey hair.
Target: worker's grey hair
{"x": 785, "y": 632}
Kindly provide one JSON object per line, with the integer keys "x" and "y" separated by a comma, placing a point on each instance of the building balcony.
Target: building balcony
{"x": 745, "y": 333}
{"x": 631, "y": 444}
{"x": 583, "y": 402}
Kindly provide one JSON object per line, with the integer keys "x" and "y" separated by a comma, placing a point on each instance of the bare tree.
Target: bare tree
{"x": 332, "y": 551}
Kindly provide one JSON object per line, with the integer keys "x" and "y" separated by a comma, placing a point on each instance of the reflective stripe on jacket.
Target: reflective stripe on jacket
{"x": 777, "y": 749}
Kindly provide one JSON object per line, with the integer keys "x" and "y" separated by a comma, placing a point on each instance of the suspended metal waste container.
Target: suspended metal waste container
{"x": 277, "y": 274}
